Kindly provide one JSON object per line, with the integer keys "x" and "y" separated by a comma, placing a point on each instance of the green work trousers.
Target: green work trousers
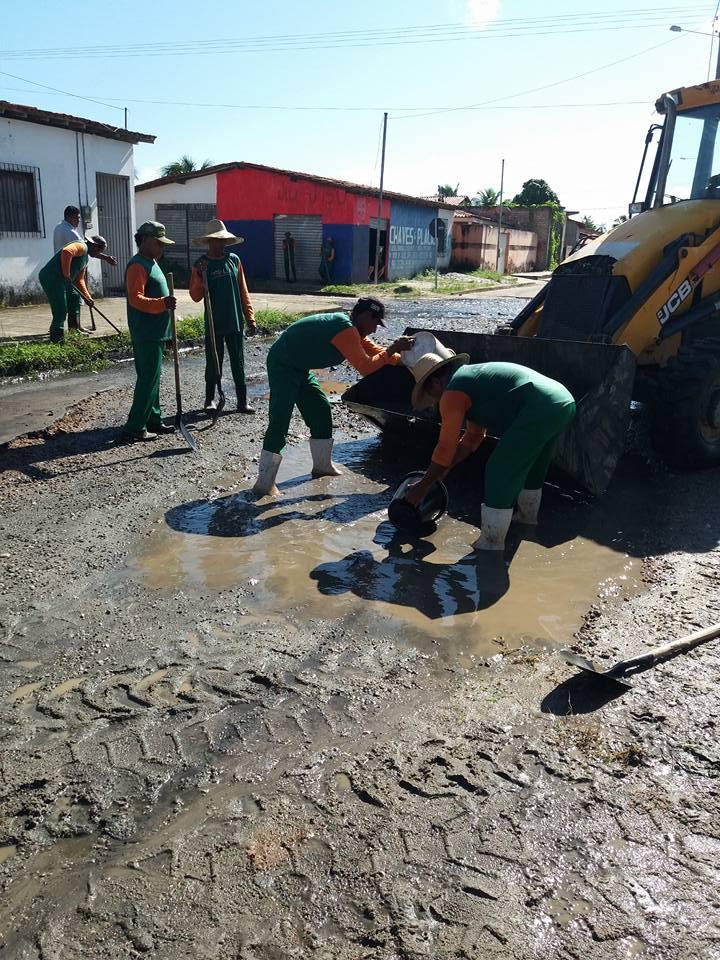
{"x": 58, "y": 297}
{"x": 291, "y": 387}
{"x": 145, "y": 410}
{"x": 522, "y": 456}
{"x": 236, "y": 351}
{"x": 73, "y": 304}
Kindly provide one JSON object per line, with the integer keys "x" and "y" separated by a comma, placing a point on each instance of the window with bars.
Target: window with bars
{"x": 21, "y": 212}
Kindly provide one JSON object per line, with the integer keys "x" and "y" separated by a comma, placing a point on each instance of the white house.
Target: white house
{"x": 49, "y": 161}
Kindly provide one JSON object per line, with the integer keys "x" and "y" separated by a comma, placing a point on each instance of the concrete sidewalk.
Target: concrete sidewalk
{"x": 18, "y": 323}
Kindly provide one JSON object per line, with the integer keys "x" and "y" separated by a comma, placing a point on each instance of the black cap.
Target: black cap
{"x": 371, "y": 305}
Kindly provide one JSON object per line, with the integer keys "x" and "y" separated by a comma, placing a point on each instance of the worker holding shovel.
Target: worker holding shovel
{"x": 527, "y": 410}
{"x": 219, "y": 276}
{"x": 62, "y": 274}
{"x": 148, "y": 311}
{"x": 320, "y": 340}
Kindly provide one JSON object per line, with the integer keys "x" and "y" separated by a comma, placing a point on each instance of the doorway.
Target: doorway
{"x": 114, "y": 223}
{"x": 382, "y": 259}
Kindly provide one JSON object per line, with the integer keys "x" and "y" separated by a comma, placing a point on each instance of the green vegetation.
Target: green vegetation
{"x": 535, "y": 193}
{"x": 185, "y": 164}
{"x": 423, "y": 285}
{"x": 21, "y": 358}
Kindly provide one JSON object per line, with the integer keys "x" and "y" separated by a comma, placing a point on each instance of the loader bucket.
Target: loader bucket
{"x": 599, "y": 376}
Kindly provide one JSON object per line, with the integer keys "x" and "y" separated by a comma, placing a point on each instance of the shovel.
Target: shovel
{"x": 618, "y": 671}
{"x": 211, "y": 326}
{"x": 179, "y": 425}
{"x": 98, "y": 310}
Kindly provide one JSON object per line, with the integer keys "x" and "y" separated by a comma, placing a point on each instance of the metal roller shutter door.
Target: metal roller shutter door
{"x": 183, "y": 222}
{"x": 113, "y": 204}
{"x": 307, "y": 232}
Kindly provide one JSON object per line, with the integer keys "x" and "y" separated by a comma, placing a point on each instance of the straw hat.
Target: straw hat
{"x": 428, "y": 363}
{"x": 215, "y": 230}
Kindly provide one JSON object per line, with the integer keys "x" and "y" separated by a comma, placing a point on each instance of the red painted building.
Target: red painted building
{"x": 263, "y": 204}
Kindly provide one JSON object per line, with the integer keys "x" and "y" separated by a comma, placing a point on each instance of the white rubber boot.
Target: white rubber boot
{"x": 528, "y": 504}
{"x": 267, "y": 471}
{"x": 495, "y": 523}
{"x": 323, "y": 466}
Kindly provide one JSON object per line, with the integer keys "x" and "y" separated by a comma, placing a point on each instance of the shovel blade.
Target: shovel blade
{"x": 187, "y": 436}
{"x": 587, "y": 666}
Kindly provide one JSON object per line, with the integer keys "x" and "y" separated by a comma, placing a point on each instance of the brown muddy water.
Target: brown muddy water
{"x": 325, "y": 549}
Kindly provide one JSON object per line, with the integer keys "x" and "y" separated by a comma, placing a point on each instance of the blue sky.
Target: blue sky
{"x": 489, "y": 50}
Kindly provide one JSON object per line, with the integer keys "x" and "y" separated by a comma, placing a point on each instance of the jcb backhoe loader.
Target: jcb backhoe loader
{"x": 633, "y": 314}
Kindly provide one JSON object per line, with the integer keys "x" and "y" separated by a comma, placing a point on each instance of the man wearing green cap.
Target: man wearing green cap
{"x": 148, "y": 311}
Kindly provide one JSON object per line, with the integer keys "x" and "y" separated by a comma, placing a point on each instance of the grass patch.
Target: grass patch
{"x": 19, "y": 359}
{"x": 422, "y": 285}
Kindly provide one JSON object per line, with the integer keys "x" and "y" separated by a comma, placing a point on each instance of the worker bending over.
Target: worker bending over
{"x": 231, "y": 309}
{"x": 526, "y": 410}
{"x": 62, "y": 273}
{"x": 317, "y": 341}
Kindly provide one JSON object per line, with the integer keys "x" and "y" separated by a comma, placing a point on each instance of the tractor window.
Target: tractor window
{"x": 694, "y": 169}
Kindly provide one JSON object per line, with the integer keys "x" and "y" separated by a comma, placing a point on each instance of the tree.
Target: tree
{"x": 590, "y": 225}
{"x": 445, "y": 190}
{"x": 534, "y": 193}
{"x": 487, "y": 198}
{"x": 621, "y": 219}
{"x": 185, "y": 164}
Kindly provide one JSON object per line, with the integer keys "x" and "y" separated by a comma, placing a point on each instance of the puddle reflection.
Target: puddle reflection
{"x": 325, "y": 549}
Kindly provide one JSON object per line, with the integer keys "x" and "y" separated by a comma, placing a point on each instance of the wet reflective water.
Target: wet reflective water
{"x": 325, "y": 548}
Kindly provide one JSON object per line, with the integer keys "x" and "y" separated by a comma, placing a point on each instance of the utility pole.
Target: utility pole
{"x": 126, "y": 118}
{"x": 380, "y": 200}
{"x": 502, "y": 185}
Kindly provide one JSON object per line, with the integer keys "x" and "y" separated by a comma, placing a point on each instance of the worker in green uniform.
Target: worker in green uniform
{"x": 66, "y": 270}
{"x": 148, "y": 311}
{"x": 231, "y": 306}
{"x": 525, "y": 409}
{"x": 327, "y": 260}
{"x": 320, "y": 340}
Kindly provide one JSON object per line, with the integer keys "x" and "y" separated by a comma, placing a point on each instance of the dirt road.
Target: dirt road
{"x": 262, "y": 731}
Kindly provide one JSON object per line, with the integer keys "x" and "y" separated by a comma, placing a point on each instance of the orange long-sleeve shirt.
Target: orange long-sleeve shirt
{"x": 454, "y": 404}
{"x": 362, "y": 352}
{"x": 67, "y": 254}
{"x": 197, "y": 292}
{"x": 135, "y": 281}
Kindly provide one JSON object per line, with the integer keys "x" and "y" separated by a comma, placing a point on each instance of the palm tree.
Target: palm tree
{"x": 185, "y": 164}
{"x": 447, "y": 190}
{"x": 488, "y": 198}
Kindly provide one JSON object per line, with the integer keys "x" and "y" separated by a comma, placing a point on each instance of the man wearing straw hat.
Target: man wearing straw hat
{"x": 61, "y": 274}
{"x": 320, "y": 340}
{"x": 148, "y": 311}
{"x": 527, "y": 410}
{"x": 231, "y": 307}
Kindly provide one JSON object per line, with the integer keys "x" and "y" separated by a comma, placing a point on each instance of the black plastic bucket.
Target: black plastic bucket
{"x": 406, "y": 516}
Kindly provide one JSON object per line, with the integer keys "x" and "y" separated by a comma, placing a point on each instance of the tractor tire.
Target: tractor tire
{"x": 686, "y": 416}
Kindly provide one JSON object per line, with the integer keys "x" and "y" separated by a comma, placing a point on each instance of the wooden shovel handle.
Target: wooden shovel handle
{"x": 668, "y": 650}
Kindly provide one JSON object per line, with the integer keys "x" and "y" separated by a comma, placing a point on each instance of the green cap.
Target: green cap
{"x": 151, "y": 228}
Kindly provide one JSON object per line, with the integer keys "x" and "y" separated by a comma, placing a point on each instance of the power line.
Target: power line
{"x": 545, "y": 86}
{"x": 351, "y": 109}
{"x": 66, "y": 93}
{"x": 429, "y": 33}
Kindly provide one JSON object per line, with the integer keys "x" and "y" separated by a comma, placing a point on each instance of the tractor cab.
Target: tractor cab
{"x": 686, "y": 165}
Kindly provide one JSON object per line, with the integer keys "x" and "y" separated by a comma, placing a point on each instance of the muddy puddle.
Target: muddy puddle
{"x": 324, "y": 549}
{"x": 333, "y": 389}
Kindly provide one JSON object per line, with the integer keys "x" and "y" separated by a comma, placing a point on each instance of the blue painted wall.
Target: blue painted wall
{"x": 342, "y": 235}
{"x": 257, "y": 251}
{"x": 361, "y": 252}
{"x": 411, "y": 246}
